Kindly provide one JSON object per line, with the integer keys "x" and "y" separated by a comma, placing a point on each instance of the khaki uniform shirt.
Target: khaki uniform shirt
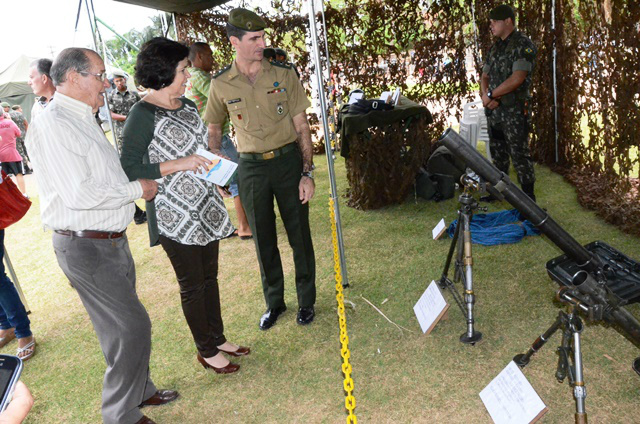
{"x": 261, "y": 113}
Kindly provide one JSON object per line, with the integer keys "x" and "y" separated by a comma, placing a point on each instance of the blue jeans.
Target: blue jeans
{"x": 12, "y": 312}
{"x": 229, "y": 149}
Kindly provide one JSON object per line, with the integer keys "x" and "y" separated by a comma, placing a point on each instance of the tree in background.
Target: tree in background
{"x": 123, "y": 55}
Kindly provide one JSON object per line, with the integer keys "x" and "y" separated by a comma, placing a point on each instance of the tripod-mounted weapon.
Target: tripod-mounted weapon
{"x": 463, "y": 267}
{"x": 596, "y": 285}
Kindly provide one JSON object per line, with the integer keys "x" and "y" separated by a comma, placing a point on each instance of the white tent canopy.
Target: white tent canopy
{"x": 13, "y": 85}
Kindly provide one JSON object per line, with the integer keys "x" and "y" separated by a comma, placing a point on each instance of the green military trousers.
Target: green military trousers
{"x": 259, "y": 182}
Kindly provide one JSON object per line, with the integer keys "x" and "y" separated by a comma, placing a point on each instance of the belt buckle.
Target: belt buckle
{"x": 269, "y": 155}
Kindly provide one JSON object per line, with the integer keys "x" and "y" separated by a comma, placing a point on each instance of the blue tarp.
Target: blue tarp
{"x": 494, "y": 228}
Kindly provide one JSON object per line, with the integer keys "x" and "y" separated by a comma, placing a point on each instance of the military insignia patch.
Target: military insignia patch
{"x": 275, "y": 84}
{"x": 280, "y": 109}
{"x": 528, "y": 50}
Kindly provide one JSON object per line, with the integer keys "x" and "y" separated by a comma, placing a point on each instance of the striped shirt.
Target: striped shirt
{"x": 81, "y": 183}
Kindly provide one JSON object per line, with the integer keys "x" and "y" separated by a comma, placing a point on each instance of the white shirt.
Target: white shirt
{"x": 81, "y": 183}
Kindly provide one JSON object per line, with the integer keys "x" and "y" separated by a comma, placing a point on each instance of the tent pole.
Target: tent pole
{"x": 555, "y": 80}
{"x": 327, "y": 143}
{"x": 106, "y": 100}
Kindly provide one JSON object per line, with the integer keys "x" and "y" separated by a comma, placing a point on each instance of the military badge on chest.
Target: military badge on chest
{"x": 279, "y": 108}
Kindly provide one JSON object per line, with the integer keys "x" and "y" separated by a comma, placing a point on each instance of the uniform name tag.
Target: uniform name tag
{"x": 230, "y": 102}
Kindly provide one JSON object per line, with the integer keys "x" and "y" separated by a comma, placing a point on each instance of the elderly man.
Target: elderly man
{"x": 41, "y": 84}
{"x": 504, "y": 88}
{"x": 267, "y": 105}
{"x": 201, "y": 58}
{"x": 87, "y": 200}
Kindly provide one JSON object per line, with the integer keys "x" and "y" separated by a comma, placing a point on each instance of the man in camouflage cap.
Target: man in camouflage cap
{"x": 504, "y": 88}
{"x": 267, "y": 106}
{"x": 5, "y": 106}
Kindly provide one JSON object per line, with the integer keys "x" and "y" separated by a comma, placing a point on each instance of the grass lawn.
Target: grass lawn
{"x": 293, "y": 373}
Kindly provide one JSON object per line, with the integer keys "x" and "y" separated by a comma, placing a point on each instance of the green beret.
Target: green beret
{"x": 5, "y": 104}
{"x": 246, "y": 20}
{"x": 502, "y": 12}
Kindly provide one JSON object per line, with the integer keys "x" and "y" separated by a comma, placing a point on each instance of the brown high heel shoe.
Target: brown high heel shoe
{"x": 231, "y": 368}
{"x": 240, "y": 351}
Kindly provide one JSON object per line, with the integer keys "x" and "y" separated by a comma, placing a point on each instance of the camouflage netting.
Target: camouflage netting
{"x": 428, "y": 49}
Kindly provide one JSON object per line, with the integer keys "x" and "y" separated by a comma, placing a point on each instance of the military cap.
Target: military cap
{"x": 502, "y": 12}
{"x": 15, "y": 107}
{"x": 5, "y": 104}
{"x": 246, "y": 20}
{"x": 117, "y": 73}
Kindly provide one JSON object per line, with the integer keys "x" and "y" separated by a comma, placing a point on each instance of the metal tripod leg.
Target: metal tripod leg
{"x": 471, "y": 336}
{"x": 443, "y": 280}
{"x": 522, "y": 360}
{"x": 572, "y": 327}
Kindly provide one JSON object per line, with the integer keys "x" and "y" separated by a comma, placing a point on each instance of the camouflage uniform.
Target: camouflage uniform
{"x": 121, "y": 103}
{"x": 509, "y": 122}
{"x": 19, "y": 118}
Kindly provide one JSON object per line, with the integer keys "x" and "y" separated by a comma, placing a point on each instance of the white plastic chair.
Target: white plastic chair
{"x": 473, "y": 126}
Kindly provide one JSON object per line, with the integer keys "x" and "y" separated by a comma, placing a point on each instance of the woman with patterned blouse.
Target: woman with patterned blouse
{"x": 187, "y": 217}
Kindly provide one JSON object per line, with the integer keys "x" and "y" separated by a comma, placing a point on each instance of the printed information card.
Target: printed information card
{"x": 439, "y": 229}
{"x": 430, "y": 308}
{"x": 510, "y": 399}
{"x": 220, "y": 170}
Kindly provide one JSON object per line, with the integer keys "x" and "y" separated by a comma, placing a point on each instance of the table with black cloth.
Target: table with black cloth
{"x": 383, "y": 151}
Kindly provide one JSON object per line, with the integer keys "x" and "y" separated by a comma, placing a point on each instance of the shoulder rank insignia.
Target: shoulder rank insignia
{"x": 222, "y": 71}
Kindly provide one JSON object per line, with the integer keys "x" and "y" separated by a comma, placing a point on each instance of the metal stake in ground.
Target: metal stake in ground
{"x": 463, "y": 268}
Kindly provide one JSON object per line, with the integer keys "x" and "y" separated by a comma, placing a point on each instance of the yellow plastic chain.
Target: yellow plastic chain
{"x": 350, "y": 401}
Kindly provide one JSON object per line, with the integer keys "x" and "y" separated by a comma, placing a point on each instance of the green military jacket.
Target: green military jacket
{"x": 516, "y": 53}
{"x": 262, "y": 113}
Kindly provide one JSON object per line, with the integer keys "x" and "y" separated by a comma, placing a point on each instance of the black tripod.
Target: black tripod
{"x": 569, "y": 353}
{"x": 464, "y": 262}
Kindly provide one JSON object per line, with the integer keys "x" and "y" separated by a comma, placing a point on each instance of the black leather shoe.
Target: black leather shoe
{"x": 160, "y": 398}
{"x": 141, "y": 218}
{"x": 270, "y": 317}
{"x": 305, "y": 315}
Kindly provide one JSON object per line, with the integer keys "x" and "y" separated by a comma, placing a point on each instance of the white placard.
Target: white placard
{"x": 219, "y": 171}
{"x": 430, "y": 308}
{"x": 510, "y": 399}
{"x": 438, "y": 230}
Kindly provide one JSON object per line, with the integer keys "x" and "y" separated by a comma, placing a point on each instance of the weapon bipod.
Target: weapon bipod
{"x": 464, "y": 262}
{"x": 569, "y": 351}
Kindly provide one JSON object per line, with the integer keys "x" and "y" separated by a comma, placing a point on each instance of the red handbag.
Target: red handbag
{"x": 13, "y": 204}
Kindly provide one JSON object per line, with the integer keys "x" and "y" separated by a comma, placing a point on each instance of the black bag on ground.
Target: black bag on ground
{"x": 434, "y": 186}
{"x": 443, "y": 162}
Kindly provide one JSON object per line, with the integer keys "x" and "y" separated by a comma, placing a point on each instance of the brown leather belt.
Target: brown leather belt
{"x": 103, "y": 235}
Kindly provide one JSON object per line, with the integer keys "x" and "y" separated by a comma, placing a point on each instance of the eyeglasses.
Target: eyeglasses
{"x": 101, "y": 77}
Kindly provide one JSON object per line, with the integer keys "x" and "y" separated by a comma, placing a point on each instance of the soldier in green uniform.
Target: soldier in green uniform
{"x": 504, "y": 88}
{"x": 21, "y": 122}
{"x": 267, "y": 106}
{"x": 121, "y": 100}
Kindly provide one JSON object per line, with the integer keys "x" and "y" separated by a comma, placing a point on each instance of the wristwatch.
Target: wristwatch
{"x": 308, "y": 174}
{"x": 489, "y": 95}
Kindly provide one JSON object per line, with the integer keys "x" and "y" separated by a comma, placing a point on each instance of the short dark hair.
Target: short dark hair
{"x": 269, "y": 53}
{"x": 43, "y": 66}
{"x": 71, "y": 59}
{"x": 197, "y": 47}
{"x": 234, "y": 31}
{"x": 157, "y": 62}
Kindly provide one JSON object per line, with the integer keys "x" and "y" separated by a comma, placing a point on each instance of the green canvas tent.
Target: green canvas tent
{"x": 13, "y": 85}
